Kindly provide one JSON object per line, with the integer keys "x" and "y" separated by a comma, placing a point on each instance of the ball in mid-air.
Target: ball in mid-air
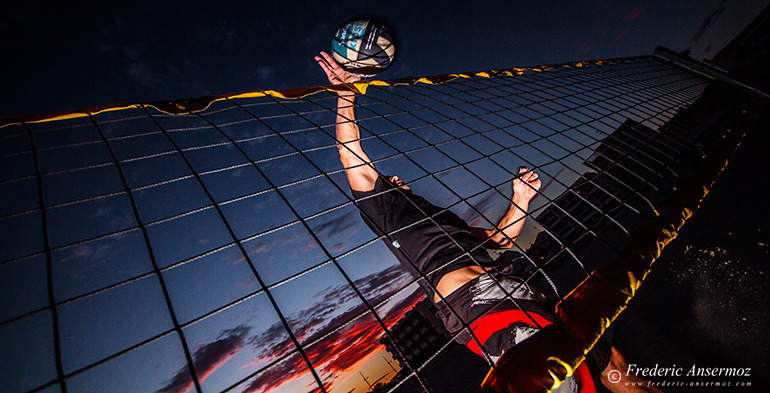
{"x": 363, "y": 47}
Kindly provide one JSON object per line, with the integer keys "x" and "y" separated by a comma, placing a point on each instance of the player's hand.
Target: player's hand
{"x": 333, "y": 71}
{"x": 526, "y": 185}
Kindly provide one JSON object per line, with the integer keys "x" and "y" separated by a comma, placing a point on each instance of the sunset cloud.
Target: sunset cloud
{"x": 339, "y": 352}
{"x": 337, "y": 230}
{"x": 347, "y": 340}
{"x": 208, "y": 358}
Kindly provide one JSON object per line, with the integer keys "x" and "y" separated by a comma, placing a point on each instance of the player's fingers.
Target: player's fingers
{"x": 323, "y": 56}
{"x": 324, "y": 65}
{"x": 333, "y": 77}
{"x": 328, "y": 67}
{"x": 325, "y": 68}
{"x": 527, "y": 177}
{"x": 332, "y": 64}
{"x": 330, "y": 75}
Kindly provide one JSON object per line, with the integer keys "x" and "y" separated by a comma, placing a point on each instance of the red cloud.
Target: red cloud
{"x": 338, "y": 352}
{"x": 292, "y": 368}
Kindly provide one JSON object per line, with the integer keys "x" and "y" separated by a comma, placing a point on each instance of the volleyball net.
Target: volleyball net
{"x": 213, "y": 245}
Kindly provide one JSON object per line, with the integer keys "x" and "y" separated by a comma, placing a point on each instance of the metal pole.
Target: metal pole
{"x": 706, "y": 70}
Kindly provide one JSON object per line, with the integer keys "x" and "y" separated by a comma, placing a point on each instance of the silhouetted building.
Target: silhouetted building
{"x": 632, "y": 170}
{"x": 418, "y": 335}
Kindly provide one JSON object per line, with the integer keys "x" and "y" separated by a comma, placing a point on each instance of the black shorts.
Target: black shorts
{"x": 431, "y": 241}
{"x": 426, "y": 239}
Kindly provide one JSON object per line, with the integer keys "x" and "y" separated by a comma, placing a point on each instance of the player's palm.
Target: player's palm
{"x": 334, "y": 72}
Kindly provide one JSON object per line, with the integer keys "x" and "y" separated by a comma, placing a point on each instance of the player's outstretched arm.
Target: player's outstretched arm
{"x": 358, "y": 167}
{"x": 508, "y": 229}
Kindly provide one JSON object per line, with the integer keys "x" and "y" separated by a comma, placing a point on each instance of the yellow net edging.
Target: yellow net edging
{"x": 543, "y": 361}
{"x": 201, "y": 103}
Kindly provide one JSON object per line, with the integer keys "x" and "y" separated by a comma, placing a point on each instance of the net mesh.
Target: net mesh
{"x": 221, "y": 249}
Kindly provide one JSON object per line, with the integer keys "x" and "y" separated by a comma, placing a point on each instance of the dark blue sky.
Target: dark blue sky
{"x": 64, "y": 57}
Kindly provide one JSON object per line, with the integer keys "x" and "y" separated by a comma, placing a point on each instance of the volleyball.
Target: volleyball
{"x": 363, "y": 47}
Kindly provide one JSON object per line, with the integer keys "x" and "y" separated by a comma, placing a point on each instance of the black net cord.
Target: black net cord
{"x": 230, "y": 231}
{"x": 315, "y": 237}
{"x": 48, "y": 263}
